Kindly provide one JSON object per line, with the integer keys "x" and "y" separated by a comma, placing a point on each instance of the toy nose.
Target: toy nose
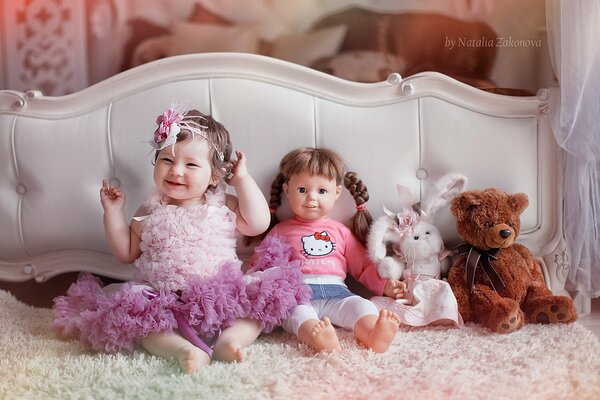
{"x": 505, "y": 233}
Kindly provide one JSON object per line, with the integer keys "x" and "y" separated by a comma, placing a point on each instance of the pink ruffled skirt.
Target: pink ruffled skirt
{"x": 113, "y": 318}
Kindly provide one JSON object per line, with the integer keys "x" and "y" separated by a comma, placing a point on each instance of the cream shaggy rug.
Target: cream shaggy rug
{"x": 537, "y": 362}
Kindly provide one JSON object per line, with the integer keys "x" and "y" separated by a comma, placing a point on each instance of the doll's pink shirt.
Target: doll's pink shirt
{"x": 328, "y": 247}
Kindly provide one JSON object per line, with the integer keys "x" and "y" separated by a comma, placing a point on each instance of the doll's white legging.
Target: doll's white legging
{"x": 343, "y": 313}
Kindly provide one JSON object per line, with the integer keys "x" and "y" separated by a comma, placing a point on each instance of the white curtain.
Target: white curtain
{"x": 574, "y": 42}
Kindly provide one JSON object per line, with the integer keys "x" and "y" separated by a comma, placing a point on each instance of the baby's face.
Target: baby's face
{"x": 185, "y": 176}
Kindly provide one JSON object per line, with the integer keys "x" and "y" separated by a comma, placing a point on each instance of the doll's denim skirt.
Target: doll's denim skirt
{"x": 325, "y": 292}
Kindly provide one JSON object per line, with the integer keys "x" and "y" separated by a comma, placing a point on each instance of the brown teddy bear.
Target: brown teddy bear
{"x": 498, "y": 283}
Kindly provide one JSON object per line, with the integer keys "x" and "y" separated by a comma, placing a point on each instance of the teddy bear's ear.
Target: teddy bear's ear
{"x": 518, "y": 202}
{"x": 461, "y": 205}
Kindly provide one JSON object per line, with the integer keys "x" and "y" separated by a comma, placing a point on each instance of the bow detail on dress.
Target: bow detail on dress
{"x": 483, "y": 259}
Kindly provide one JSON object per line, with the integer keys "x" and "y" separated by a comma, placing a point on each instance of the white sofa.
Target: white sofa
{"x": 55, "y": 151}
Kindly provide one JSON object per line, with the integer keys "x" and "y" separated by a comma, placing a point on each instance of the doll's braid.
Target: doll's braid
{"x": 275, "y": 199}
{"x": 360, "y": 223}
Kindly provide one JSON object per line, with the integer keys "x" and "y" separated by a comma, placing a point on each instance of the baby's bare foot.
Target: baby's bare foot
{"x": 324, "y": 338}
{"x": 229, "y": 351}
{"x": 191, "y": 359}
{"x": 384, "y": 331}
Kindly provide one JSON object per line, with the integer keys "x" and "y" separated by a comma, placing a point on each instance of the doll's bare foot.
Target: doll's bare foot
{"x": 324, "y": 338}
{"x": 191, "y": 359}
{"x": 229, "y": 351}
{"x": 384, "y": 331}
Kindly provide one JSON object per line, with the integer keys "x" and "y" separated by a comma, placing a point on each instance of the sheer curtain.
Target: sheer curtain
{"x": 573, "y": 39}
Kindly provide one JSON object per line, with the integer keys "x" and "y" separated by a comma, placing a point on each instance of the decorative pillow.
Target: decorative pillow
{"x": 188, "y": 38}
{"x": 300, "y": 16}
{"x": 255, "y": 12}
{"x": 200, "y": 38}
{"x": 306, "y": 48}
{"x": 141, "y": 30}
{"x": 152, "y": 49}
{"x": 362, "y": 65}
{"x": 202, "y": 15}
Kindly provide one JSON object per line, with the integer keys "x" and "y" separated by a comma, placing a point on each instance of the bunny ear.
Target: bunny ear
{"x": 388, "y": 212}
{"x": 446, "y": 188}
{"x": 406, "y": 197}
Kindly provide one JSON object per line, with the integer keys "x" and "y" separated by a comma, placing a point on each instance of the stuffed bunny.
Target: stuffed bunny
{"x": 408, "y": 245}
{"x": 423, "y": 252}
{"x": 409, "y": 237}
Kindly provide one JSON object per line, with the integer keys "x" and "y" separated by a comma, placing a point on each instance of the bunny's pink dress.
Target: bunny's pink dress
{"x": 188, "y": 272}
{"x": 428, "y": 300}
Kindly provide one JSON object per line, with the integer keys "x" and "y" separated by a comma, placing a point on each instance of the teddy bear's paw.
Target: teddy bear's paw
{"x": 559, "y": 310}
{"x": 511, "y": 323}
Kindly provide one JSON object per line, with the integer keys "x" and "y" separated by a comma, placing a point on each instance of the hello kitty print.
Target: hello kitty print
{"x": 326, "y": 247}
{"x": 317, "y": 244}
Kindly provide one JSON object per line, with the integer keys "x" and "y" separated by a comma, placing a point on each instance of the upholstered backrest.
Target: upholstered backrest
{"x": 55, "y": 151}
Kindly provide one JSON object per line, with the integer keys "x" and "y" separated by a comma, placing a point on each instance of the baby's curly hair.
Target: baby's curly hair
{"x": 220, "y": 147}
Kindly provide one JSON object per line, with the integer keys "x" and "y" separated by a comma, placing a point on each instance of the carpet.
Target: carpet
{"x": 537, "y": 362}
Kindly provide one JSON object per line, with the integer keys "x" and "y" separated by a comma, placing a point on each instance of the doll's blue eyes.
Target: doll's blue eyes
{"x": 303, "y": 190}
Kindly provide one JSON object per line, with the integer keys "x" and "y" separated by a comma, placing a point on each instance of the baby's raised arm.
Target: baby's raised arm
{"x": 250, "y": 207}
{"x": 123, "y": 239}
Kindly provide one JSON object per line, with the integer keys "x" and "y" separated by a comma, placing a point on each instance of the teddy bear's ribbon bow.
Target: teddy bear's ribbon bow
{"x": 481, "y": 258}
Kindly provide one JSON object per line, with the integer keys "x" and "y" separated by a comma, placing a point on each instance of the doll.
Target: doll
{"x": 190, "y": 300}
{"x": 325, "y": 250}
{"x": 418, "y": 256}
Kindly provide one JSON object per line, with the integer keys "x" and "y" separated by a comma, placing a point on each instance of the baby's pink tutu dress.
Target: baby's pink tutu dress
{"x": 188, "y": 274}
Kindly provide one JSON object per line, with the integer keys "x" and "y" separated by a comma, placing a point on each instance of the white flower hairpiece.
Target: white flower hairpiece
{"x": 171, "y": 122}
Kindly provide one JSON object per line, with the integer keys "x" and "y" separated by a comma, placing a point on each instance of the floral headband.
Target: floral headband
{"x": 171, "y": 122}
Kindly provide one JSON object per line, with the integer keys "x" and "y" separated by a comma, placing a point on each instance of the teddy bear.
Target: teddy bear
{"x": 497, "y": 282}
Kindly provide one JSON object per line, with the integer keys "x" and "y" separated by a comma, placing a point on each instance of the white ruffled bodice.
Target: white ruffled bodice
{"x": 179, "y": 241}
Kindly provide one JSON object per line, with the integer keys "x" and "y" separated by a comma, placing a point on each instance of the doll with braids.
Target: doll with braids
{"x": 325, "y": 250}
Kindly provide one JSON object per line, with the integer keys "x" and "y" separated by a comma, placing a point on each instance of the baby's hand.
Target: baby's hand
{"x": 239, "y": 170}
{"x": 111, "y": 198}
{"x": 394, "y": 289}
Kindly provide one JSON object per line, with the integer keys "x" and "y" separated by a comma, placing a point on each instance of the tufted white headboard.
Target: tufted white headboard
{"x": 55, "y": 151}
